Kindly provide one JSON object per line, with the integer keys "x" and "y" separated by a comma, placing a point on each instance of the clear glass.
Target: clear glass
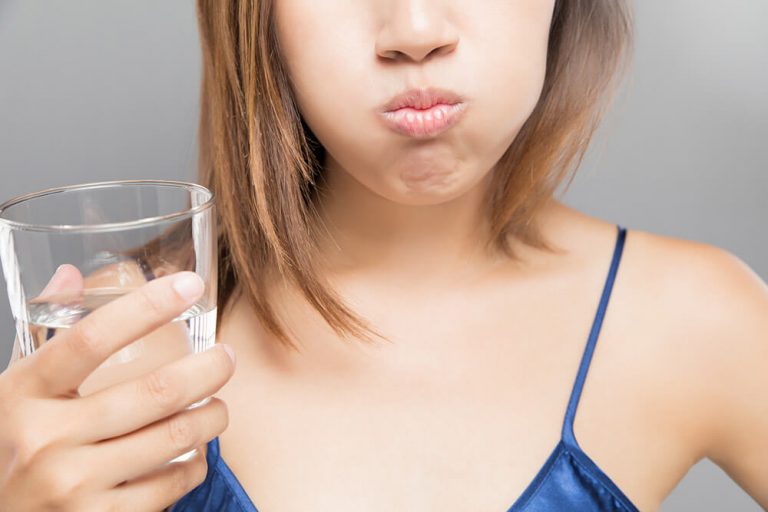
{"x": 110, "y": 237}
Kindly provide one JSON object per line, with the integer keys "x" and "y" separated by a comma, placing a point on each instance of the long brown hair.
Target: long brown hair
{"x": 264, "y": 164}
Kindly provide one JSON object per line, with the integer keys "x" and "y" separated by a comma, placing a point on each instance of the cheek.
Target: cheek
{"x": 329, "y": 68}
{"x": 507, "y": 73}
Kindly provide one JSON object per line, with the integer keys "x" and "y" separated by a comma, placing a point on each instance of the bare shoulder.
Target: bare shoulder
{"x": 709, "y": 310}
{"x": 702, "y": 290}
{"x": 687, "y": 338}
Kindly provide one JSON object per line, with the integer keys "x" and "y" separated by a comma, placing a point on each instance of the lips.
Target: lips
{"x": 422, "y": 113}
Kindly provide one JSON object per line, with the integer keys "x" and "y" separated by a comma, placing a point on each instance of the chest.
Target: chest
{"x": 458, "y": 414}
{"x": 389, "y": 442}
{"x": 400, "y": 429}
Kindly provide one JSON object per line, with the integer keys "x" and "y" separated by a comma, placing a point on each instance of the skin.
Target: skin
{"x": 460, "y": 412}
{"x": 111, "y": 441}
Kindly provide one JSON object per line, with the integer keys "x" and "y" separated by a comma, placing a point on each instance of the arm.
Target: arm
{"x": 737, "y": 385}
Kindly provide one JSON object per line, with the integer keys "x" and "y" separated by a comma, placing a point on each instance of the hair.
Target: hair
{"x": 263, "y": 163}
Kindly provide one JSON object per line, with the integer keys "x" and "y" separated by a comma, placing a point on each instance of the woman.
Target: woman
{"x": 416, "y": 317}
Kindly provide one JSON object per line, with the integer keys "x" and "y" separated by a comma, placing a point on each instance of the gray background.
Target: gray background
{"x": 93, "y": 90}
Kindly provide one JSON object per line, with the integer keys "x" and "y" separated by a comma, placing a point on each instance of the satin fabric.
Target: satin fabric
{"x": 568, "y": 481}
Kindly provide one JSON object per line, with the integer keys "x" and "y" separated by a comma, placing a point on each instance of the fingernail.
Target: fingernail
{"x": 230, "y": 352}
{"x": 188, "y": 285}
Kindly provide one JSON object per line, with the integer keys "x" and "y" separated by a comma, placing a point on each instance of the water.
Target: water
{"x": 191, "y": 332}
{"x": 61, "y": 312}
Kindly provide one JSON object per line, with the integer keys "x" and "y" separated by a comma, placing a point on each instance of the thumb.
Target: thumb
{"x": 67, "y": 280}
{"x": 66, "y": 286}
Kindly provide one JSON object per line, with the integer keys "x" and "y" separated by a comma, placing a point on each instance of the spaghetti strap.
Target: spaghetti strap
{"x": 568, "y": 480}
{"x": 570, "y": 413}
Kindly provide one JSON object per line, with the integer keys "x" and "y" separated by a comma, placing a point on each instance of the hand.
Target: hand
{"x": 60, "y": 450}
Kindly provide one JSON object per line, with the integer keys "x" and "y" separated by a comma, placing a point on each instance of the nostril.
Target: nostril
{"x": 401, "y": 55}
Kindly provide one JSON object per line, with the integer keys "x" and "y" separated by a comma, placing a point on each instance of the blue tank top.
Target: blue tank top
{"x": 569, "y": 480}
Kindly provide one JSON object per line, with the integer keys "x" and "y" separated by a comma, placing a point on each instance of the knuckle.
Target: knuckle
{"x": 182, "y": 480}
{"x": 86, "y": 337}
{"x": 26, "y": 451}
{"x": 62, "y": 485}
{"x": 160, "y": 389}
{"x": 151, "y": 301}
{"x": 182, "y": 432}
{"x": 29, "y": 447}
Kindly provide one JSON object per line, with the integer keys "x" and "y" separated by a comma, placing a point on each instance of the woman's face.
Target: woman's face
{"x": 348, "y": 58}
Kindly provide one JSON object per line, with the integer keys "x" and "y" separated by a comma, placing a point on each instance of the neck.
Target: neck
{"x": 361, "y": 232}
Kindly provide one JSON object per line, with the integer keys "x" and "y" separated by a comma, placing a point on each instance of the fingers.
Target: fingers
{"x": 60, "y": 366}
{"x": 160, "y": 442}
{"x": 67, "y": 280}
{"x": 161, "y": 488}
{"x": 65, "y": 286}
{"x": 131, "y": 405}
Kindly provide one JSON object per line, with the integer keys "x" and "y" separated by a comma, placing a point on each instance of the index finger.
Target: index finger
{"x": 60, "y": 366}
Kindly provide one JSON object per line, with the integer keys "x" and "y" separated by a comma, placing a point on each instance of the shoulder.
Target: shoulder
{"x": 709, "y": 285}
{"x": 702, "y": 291}
{"x": 692, "y": 312}
{"x": 708, "y": 312}
{"x": 689, "y": 288}
{"x": 688, "y": 326}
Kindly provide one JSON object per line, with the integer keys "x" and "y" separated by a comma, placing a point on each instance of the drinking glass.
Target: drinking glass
{"x": 67, "y": 251}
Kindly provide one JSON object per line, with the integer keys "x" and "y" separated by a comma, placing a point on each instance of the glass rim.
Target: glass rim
{"x": 109, "y": 226}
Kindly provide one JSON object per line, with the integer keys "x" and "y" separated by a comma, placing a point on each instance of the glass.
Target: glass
{"x": 68, "y": 251}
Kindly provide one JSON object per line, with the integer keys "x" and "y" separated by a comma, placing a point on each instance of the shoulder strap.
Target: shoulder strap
{"x": 573, "y": 402}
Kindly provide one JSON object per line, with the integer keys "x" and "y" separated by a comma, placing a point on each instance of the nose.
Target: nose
{"x": 415, "y": 30}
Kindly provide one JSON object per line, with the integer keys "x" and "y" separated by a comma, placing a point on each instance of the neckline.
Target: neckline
{"x": 561, "y": 447}
{"x": 245, "y": 501}
{"x": 567, "y": 442}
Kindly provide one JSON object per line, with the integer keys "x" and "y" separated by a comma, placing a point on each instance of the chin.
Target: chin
{"x": 422, "y": 188}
